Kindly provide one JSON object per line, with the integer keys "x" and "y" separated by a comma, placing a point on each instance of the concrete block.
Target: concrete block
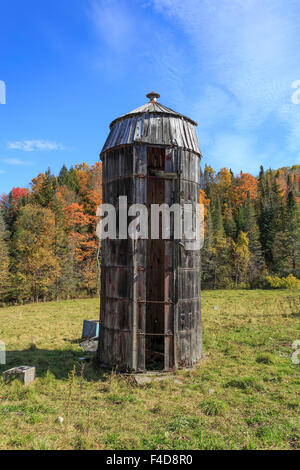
{"x": 90, "y": 329}
{"x": 26, "y": 374}
{"x": 89, "y": 345}
{"x": 142, "y": 379}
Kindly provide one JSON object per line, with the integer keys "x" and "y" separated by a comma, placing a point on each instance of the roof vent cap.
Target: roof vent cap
{"x": 153, "y": 97}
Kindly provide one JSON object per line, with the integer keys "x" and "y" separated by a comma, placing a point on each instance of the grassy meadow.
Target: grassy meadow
{"x": 245, "y": 395}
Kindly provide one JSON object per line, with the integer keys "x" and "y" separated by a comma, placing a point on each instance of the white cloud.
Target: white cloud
{"x": 250, "y": 47}
{"x": 114, "y": 22}
{"x": 2, "y": 172}
{"x": 16, "y": 162}
{"x": 229, "y": 64}
{"x": 33, "y": 145}
{"x": 248, "y": 53}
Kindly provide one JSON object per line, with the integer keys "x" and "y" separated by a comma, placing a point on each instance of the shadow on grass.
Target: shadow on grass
{"x": 60, "y": 362}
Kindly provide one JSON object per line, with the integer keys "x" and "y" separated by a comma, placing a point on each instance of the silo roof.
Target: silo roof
{"x": 153, "y": 107}
{"x": 153, "y": 124}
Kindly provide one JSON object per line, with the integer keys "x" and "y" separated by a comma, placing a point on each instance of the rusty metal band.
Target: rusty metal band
{"x": 142, "y": 333}
{"x": 117, "y": 330}
{"x": 164, "y": 302}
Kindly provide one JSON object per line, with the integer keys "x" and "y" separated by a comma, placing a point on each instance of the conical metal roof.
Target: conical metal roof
{"x": 153, "y": 107}
{"x": 153, "y": 123}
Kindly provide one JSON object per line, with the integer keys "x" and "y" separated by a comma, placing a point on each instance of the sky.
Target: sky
{"x": 72, "y": 66}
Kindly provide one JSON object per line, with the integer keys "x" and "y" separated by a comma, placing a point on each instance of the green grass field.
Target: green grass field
{"x": 244, "y": 396}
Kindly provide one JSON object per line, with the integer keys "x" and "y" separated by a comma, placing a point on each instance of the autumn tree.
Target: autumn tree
{"x": 36, "y": 267}
{"x": 4, "y": 259}
{"x": 241, "y": 257}
{"x": 224, "y": 186}
{"x": 66, "y": 277}
{"x": 244, "y": 184}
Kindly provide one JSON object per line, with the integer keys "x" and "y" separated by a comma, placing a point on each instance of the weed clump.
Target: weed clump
{"x": 265, "y": 358}
{"x": 214, "y": 407}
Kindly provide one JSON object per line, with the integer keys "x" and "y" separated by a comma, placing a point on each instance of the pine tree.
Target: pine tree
{"x": 217, "y": 219}
{"x": 293, "y": 225}
{"x": 216, "y": 270}
{"x": 256, "y": 262}
{"x": 229, "y": 223}
{"x": 63, "y": 176}
{"x": 208, "y": 258}
{"x": 269, "y": 217}
{"x": 46, "y": 191}
{"x": 262, "y": 181}
{"x": 241, "y": 219}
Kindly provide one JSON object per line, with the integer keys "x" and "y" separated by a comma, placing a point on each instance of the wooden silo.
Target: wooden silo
{"x": 150, "y": 289}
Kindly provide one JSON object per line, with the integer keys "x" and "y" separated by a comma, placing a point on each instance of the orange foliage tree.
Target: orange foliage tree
{"x": 245, "y": 184}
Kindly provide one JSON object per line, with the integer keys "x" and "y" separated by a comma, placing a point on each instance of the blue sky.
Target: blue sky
{"x": 72, "y": 66}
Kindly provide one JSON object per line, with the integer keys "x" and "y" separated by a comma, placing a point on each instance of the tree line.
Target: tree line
{"x": 252, "y": 233}
{"x": 48, "y": 244}
{"x": 49, "y": 249}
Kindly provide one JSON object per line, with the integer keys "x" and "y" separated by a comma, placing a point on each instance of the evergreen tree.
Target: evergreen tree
{"x": 208, "y": 258}
{"x": 216, "y": 270}
{"x": 256, "y": 261}
{"x": 293, "y": 225}
{"x": 217, "y": 219}
{"x": 241, "y": 219}
{"x": 229, "y": 223}
{"x": 269, "y": 220}
{"x": 44, "y": 195}
{"x": 262, "y": 181}
{"x": 63, "y": 176}
{"x": 69, "y": 179}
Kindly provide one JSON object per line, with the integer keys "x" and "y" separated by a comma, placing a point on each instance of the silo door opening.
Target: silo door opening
{"x": 155, "y": 271}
